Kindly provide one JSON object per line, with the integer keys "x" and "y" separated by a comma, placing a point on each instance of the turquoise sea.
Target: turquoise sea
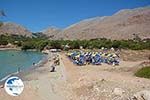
{"x": 11, "y": 60}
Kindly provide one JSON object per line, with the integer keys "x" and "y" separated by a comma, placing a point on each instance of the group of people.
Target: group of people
{"x": 56, "y": 62}
{"x": 95, "y": 58}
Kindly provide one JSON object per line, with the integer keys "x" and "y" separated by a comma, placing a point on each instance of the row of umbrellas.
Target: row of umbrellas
{"x": 95, "y": 58}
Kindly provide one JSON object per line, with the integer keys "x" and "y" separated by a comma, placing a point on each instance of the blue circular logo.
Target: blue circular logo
{"x": 14, "y": 86}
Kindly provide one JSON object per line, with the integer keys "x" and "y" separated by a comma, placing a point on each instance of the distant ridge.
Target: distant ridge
{"x": 122, "y": 25}
{"x": 13, "y": 28}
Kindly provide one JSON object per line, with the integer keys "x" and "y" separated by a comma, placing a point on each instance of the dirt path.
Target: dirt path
{"x": 72, "y": 71}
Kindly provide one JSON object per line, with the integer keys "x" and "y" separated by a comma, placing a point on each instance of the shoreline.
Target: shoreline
{"x": 29, "y": 70}
{"x": 18, "y": 49}
{"x": 10, "y": 48}
{"x": 23, "y": 72}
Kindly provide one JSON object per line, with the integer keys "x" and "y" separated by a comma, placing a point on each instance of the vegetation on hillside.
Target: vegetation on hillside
{"x": 143, "y": 72}
{"x": 1, "y": 23}
{"x": 39, "y": 42}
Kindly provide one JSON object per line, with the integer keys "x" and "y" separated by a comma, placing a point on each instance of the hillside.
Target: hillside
{"x": 122, "y": 25}
{"x": 125, "y": 24}
{"x": 52, "y": 32}
{"x": 13, "y": 28}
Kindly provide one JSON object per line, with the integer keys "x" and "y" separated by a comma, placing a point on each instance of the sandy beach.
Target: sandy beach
{"x": 75, "y": 50}
{"x": 71, "y": 82}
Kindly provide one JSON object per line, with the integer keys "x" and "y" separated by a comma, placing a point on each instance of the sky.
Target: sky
{"x": 37, "y": 15}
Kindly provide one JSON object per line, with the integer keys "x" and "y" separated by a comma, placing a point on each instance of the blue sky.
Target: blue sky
{"x": 37, "y": 15}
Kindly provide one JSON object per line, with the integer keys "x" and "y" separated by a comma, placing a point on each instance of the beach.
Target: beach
{"x": 72, "y": 82}
{"x": 75, "y": 50}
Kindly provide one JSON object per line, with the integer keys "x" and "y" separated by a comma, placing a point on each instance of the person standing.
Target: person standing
{"x": 53, "y": 67}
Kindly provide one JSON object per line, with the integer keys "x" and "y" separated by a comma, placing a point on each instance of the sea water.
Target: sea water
{"x": 12, "y": 60}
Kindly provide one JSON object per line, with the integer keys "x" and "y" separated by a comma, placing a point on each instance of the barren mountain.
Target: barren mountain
{"x": 52, "y": 32}
{"x": 13, "y": 28}
{"x": 122, "y": 25}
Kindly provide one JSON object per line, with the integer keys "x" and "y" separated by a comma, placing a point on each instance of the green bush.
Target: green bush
{"x": 55, "y": 44}
{"x": 41, "y": 44}
{"x": 27, "y": 45}
{"x": 116, "y": 44}
{"x": 3, "y": 42}
{"x": 1, "y": 23}
{"x": 143, "y": 72}
{"x": 74, "y": 44}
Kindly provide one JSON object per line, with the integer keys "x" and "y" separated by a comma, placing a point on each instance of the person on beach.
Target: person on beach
{"x": 53, "y": 67}
{"x": 57, "y": 61}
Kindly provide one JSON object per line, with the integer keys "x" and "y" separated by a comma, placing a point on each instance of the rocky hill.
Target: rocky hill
{"x": 122, "y": 25}
{"x": 125, "y": 24}
{"x": 13, "y": 28}
{"x": 52, "y": 32}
